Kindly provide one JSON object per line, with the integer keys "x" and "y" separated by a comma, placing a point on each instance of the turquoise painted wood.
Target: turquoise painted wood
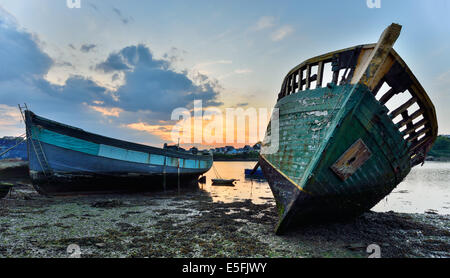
{"x": 316, "y": 128}
{"x": 80, "y": 145}
{"x": 63, "y": 141}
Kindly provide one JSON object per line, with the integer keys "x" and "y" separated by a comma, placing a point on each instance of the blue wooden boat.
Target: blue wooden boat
{"x": 66, "y": 160}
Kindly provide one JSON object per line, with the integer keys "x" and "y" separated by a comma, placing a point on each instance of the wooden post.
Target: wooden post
{"x": 371, "y": 70}
{"x": 308, "y": 73}
{"x": 319, "y": 75}
{"x": 178, "y": 170}
{"x": 164, "y": 172}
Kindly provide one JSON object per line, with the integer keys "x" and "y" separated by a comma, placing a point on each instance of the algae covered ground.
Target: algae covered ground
{"x": 190, "y": 224}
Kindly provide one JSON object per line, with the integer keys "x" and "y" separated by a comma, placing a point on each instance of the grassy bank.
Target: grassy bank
{"x": 440, "y": 150}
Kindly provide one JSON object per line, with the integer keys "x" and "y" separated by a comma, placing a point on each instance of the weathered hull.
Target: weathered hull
{"x": 66, "y": 160}
{"x": 82, "y": 183}
{"x": 317, "y": 127}
{"x": 343, "y": 147}
{"x": 13, "y": 170}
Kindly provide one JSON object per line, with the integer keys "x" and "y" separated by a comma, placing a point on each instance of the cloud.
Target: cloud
{"x": 151, "y": 89}
{"x": 264, "y": 23}
{"x": 10, "y": 121}
{"x": 242, "y": 104}
{"x": 87, "y": 47}
{"x": 282, "y": 32}
{"x": 20, "y": 55}
{"x": 124, "y": 19}
{"x": 130, "y": 57}
{"x": 210, "y": 63}
{"x": 151, "y": 84}
{"x": 106, "y": 111}
{"x": 63, "y": 64}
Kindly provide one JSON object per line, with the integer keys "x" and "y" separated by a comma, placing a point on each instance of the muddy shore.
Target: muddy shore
{"x": 191, "y": 225}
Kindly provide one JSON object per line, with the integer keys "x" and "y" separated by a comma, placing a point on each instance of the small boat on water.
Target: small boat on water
{"x": 345, "y": 144}
{"x": 219, "y": 180}
{"x": 254, "y": 173}
{"x": 229, "y": 182}
{"x": 66, "y": 160}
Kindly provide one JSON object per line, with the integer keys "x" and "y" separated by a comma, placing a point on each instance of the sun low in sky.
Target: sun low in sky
{"x": 120, "y": 68}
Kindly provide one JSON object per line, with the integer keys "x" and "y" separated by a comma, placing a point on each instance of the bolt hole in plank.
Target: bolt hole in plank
{"x": 351, "y": 161}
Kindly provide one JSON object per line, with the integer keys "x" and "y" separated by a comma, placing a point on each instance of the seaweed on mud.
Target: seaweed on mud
{"x": 191, "y": 225}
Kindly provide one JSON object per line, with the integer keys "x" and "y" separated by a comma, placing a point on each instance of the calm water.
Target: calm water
{"x": 425, "y": 188}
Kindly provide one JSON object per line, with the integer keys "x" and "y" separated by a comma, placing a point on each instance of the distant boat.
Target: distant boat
{"x": 223, "y": 181}
{"x": 251, "y": 173}
{"x": 220, "y": 180}
{"x": 65, "y": 160}
{"x": 341, "y": 150}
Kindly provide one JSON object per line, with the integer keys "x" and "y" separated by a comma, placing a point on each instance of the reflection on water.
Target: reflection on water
{"x": 425, "y": 188}
{"x": 257, "y": 191}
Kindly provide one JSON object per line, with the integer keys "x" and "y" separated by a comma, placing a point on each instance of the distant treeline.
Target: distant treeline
{"x": 441, "y": 149}
{"x": 251, "y": 156}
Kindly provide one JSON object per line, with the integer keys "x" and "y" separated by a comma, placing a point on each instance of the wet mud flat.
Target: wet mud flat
{"x": 191, "y": 225}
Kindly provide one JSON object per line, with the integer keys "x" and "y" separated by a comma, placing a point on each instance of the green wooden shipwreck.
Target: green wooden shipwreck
{"x": 341, "y": 146}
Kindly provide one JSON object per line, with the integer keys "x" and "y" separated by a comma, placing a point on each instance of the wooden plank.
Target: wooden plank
{"x": 351, "y": 160}
{"x": 387, "y": 96}
{"x": 411, "y": 129}
{"x": 418, "y": 134}
{"x": 319, "y": 74}
{"x": 410, "y": 118}
{"x": 308, "y": 73}
{"x": 300, "y": 78}
{"x": 377, "y": 88}
{"x": 335, "y": 76}
{"x": 420, "y": 143}
{"x": 402, "y": 108}
{"x": 376, "y": 67}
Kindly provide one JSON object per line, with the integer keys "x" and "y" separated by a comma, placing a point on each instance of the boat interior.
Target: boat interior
{"x": 394, "y": 86}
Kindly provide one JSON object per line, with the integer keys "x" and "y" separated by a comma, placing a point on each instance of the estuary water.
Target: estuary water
{"x": 425, "y": 189}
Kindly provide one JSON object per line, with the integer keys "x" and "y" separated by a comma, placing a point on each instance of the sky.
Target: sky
{"x": 120, "y": 68}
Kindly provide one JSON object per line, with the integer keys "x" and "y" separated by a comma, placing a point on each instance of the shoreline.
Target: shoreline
{"x": 235, "y": 159}
{"x": 191, "y": 225}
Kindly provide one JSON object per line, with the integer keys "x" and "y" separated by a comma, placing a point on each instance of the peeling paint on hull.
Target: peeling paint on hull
{"x": 314, "y": 192}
